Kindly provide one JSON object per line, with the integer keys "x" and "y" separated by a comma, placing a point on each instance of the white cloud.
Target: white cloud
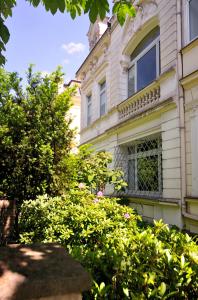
{"x": 72, "y": 48}
{"x": 66, "y": 61}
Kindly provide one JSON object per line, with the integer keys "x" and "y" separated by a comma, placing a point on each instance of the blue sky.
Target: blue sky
{"x": 47, "y": 41}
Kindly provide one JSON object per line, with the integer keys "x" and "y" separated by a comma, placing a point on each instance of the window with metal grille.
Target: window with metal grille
{"x": 102, "y": 98}
{"x": 89, "y": 109}
{"x": 145, "y": 167}
{"x": 145, "y": 62}
{"x": 193, "y": 18}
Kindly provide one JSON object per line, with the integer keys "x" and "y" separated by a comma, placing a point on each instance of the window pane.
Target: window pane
{"x": 145, "y": 42}
{"x": 131, "y": 81}
{"x": 147, "y": 173}
{"x": 193, "y": 18}
{"x": 88, "y": 110}
{"x": 131, "y": 174}
{"x": 102, "y": 109}
{"x": 103, "y": 85}
{"x": 102, "y": 103}
{"x": 146, "y": 69}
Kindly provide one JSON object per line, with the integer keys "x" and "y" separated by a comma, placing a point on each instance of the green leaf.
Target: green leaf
{"x": 126, "y": 291}
{"x": 162, "y": 289}
{"x": 93, "y": 13}
{"x": 4, "y": 32}
{"x": 35, "y": 2}
{"x": 61, "y": 5}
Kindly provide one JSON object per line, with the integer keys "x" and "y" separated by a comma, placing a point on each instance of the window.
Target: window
{"x": 193, "y": 19}
{"x": 103, "y": 98}
{"x": 145, "y": 63}
{"x": 88, "y": 110}
{"x": 145, "y": 167}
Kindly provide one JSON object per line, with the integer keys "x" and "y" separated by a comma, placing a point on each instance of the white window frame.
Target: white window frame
{"x": 89, "y": 105}
{"x": 103, "y": 91}
{"x": 188, "y": 23}
{"x": 156, "y": 43}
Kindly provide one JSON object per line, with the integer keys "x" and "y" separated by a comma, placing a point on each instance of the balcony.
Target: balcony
{"x": 145, "y": 99}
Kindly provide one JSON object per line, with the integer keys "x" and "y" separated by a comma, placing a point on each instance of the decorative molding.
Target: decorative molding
{"x": 146, "y": 10}
{"x": 140, "y": 102}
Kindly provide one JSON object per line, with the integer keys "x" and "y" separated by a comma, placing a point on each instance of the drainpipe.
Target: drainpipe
{"x": 180, "y": 93}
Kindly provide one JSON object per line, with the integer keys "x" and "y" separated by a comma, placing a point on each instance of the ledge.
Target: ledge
{"x": 152, "y": 201}
{"x": 40, "y": 271}
{"x": 191, "y": 199}
{"x": 189, "y": 46}
{"x": 190, "y": 80}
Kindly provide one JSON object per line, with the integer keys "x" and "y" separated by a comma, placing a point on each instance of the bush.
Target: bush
{"x": 126, "y": 260}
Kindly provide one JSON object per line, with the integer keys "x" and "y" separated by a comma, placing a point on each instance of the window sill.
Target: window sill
{"x": 190, "y": 46}
{"x": 149, "y": 200}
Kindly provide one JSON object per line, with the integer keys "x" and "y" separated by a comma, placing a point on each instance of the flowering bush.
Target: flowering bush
{"x": 126, "y": 260}
{"x": 88, "y": 169}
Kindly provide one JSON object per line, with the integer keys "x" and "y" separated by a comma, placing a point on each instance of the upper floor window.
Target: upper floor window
{"x": 193, "y": 19}
{"x": 145, "y": 62}
{"x": 88, "y": 109}
{"x": 102, "y": 98}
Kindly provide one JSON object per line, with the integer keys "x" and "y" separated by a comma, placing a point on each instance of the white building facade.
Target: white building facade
{"x": 139, "y": 101}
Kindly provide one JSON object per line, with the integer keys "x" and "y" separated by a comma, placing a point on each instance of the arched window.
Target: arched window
{"x": 145, "y": 62}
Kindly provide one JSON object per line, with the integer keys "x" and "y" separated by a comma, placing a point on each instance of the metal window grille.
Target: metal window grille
{"x": 141, "y": 162}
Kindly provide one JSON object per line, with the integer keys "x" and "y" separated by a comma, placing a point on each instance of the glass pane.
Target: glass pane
{"x": 103, "y": 85}
{"x": 146, "y": 69}
{"x": 147, "y": 173}
{"x": 193, "y": 18}
{"x": 131, "y": 174}
{"x": 102, "y": 103}
{"x": 149, "y": 38}
{"x": 148, "y": 145}
{"x": 89, "y": 113}
{"x": 131, "y": 81}
{"x": 102, "y": 98}
{"x": 102, "y": 109}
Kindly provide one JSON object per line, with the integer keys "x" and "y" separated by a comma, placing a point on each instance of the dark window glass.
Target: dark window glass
{"x": 146, "y": 69}
{"x": 193, "y": 18}
{"x": 88, "y": 110}
{"x": 131, "y": 81}
{"x": 102, "y": 103}
{"x": 131, "y": 174}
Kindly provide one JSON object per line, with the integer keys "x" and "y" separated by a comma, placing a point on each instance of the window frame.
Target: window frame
{"x": 189, "y": 40}
{"x": 148, "y": 153}
{"x": 133, "y": 63}
{"x": 103, "y": 91}
{"x": 89, "y": 105}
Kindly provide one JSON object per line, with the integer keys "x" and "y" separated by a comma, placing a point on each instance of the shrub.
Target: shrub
{"x": 89, "y": 167}
{"x": 126, "y": 260}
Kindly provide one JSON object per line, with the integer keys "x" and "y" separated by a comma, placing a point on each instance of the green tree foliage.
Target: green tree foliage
{"x": 95, "y": 8}
{"x": 35, "y": 134}
{"x": 126, "y": 258}
{"x": 89, "y": 168}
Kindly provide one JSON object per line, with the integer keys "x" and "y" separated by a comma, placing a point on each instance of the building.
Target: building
{"x": 74, "y": 111}
{"x": 139, "y": 100}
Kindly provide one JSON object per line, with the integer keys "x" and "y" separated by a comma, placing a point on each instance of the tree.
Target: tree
{"x": 94, "y": 8}
{"x": 35, "y": 133}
